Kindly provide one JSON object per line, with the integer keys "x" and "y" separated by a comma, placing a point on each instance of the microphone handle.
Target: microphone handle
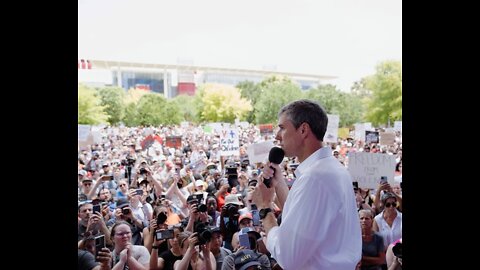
{"x": 268, "y": 181}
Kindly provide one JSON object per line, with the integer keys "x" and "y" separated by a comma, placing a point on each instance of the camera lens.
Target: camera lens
{"x": 125, "y": 211}
{"x": 202, "y": 208}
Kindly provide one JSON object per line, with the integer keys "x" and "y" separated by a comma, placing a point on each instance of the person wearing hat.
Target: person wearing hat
{"x": 218, "y": 251}
{"x": 244, "y": 221}
{"x": 245, "y": 259}
{"x": 86, "y": 187}
{"x": 229, "y": 218}
{"x": 389, "y": 222}
{"x": 383, "y": 188}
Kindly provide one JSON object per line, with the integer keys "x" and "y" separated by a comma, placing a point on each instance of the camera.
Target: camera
{"x": 128, "y": 162}
{"x": 203, "y": 232}
{"x": 397, "y": 250}
{"x": 202, "y": 208}
{"x": 143, "y": 171}
{"x": 125, "y": 211}
{"x": 164, "y": 234}
{"x": 232, "y": 209}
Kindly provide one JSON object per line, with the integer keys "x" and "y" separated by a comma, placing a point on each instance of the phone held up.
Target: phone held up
{"x": 99, "y": 243}
{"x": 383, "y": 180}
{"x": 164, "y": 234}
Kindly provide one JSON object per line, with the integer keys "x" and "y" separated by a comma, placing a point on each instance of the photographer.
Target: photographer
{"x": 192, "y": 257}
{"x": 229, "y": 219}
{"x": 124, "y": 213}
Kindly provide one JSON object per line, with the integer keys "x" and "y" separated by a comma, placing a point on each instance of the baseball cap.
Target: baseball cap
{"x": 244, "y": 216}
{"x": 232, "y": 199}
{"x": 122, "y": 202}
{"x": 82, "y": 172}
{"x": 245, "y": 258}
{"x": 199, "y": 183}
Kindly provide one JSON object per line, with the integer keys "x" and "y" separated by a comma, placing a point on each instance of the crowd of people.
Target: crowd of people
{"x": 188, "y": 207}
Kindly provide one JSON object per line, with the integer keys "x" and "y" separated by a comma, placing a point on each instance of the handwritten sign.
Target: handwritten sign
{"x": 387, "y": 138}
{"x": 229, "y": 142}
{"x": 367, "y": 168}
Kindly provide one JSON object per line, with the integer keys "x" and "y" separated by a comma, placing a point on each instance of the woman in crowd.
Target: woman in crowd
{"x": 373, "y": 250}
{"x": 136, "y": 257}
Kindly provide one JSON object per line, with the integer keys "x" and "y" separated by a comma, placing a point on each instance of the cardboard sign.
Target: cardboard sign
{"x": 343, "y": 133}
{"x": 387, "y": 138}
{"x": 368, "y": 168}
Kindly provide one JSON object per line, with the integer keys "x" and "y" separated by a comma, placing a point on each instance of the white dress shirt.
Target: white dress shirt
{"x": 320, "y": 224}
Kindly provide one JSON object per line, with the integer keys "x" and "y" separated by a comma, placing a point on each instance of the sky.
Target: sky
{"x": 342, "y": 38}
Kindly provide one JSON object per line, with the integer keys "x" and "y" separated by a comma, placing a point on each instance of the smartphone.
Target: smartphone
{"x": 383, "y": 180}
{"x": 164, "y": 234}
{"x": 97, "y": 208}
{"x": 243, "y": 239}
{"x": 255, "y": 215}
{"x": 139, "y": 192}
{"x": 99, "y": 243}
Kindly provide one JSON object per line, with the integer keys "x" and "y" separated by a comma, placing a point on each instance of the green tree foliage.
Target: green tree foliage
{"x": 346, "y": 105}
{"x": 130, "y": 118}
{"x": 187, "y": 106}
{"x": 386, "y": 88}
{"x": 276, "y": 92}
{"x": 221, "y": 103}
{"x": 250, "y": 91}
{"x": 112, "y": 98}
{"x": 150, "y": 109}
{"x": 172, "y": 113}
{"x": 90, "y": 110}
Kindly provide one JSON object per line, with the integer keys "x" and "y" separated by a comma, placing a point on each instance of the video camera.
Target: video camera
{"x": 128, "y": 161}
{"x": 203, "y": 232}
{"x": 397, "y": 250}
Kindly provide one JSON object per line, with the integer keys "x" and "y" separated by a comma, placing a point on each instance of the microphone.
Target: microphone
{"x": 275, "y": 156}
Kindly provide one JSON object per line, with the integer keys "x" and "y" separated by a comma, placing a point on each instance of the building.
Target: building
{"x": 173, "y": 80}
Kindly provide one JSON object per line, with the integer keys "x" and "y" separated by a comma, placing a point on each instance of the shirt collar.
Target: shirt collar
{"x": 323, "y": 152}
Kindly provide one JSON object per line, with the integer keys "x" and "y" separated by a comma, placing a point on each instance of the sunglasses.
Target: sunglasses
{"x": 121, "y": 185}
{"x": 394, "y": 204}
{"x": 87, "y": 184}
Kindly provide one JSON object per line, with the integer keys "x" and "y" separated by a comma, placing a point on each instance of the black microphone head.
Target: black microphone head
{"x": 276, "y": 155}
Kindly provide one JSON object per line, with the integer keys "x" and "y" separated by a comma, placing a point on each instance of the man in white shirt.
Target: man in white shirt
{"x": 319, "y": 228}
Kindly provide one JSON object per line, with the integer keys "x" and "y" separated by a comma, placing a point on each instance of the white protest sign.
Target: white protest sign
{"x": 258, "y": 152}
{"x": 97, "y": 137}
{"x": 331, "y": 135}
{"x": 229, "y": 142}
{"x": 387, "y": 138}
{"x": 359, "y": 132}
{"x": 397, "y": 126}
{"x": 367, "y": 168}
{"x": 83, "y": 131}
{"x": 368, "y": 126}
{"x": 244, "y": 124}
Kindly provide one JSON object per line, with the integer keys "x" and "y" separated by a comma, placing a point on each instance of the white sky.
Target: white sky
{"x": 343, "y": 38}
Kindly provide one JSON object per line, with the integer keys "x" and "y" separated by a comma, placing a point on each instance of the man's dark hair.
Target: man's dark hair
{"x": 307, "y": 111}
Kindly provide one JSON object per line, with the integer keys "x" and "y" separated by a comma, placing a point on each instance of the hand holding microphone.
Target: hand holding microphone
{"x": 276, "y": 156}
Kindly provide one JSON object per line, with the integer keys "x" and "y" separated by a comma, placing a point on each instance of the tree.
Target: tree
{"x": 188, "y": 108}
{"x": 172, "y": 114}
{"x": 250, "y": 91}
{"x": 386, "y": 87}
{"x": 150, "y": 109}
{"x": 90, "y": 111}
{"x": 333, "y": 101}
{"x": 112, "y": 98}
{"x": 276, "y": 92}
{"x": 221, "y": 103}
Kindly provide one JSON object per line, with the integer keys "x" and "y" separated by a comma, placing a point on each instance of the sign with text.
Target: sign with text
{"x": 371, "y": 137}
{"x": 387, "y": 138}
{"x": 367, "y": 168}
{"x": 229, "y": 142}
{"x": 258, "y": 152}
{"x": 331, "y": 135}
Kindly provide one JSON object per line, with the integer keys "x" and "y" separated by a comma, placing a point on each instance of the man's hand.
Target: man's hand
{"x": 261, "y": 195}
